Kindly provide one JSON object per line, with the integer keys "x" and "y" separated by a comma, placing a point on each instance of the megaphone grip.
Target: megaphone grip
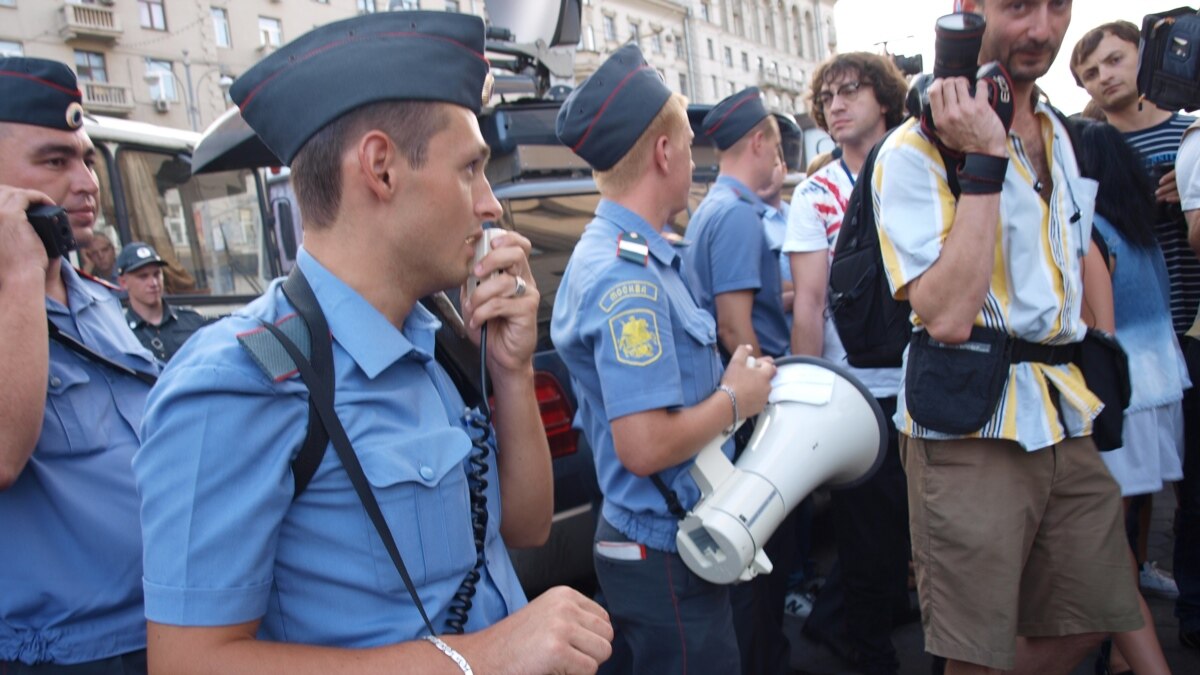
{"x": 733, "y": 400}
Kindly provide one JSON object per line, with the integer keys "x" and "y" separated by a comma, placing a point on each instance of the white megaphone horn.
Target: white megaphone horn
{"x": 821, "y": 427}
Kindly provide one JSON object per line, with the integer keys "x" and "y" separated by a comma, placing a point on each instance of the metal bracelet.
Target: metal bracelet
{"x": 732, "y": 399}
{"x": 458, "y": 659}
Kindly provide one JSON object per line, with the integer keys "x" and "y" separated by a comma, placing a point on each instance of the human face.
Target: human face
{"x": 1024, "y": 35}
{"x": 145, "y": 285}
{"x": 852, "y": 114}
{"x": 445, "y": 203}
{"x": 57, "y": 163}
{"x": 102, "y": 255}
{"x": 1109, "y": 73}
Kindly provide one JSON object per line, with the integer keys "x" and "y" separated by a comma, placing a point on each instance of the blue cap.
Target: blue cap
{"x": 136, "y": 255}
{"x": 339, "y": 67}
{"x": 39, "y": 92}
{"x": 730, "y": 119}
{"x": 606, "y": 114}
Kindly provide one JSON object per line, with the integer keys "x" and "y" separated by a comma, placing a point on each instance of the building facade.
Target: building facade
{"x": 709, "y": 49}
{"x": 171, "y": 62}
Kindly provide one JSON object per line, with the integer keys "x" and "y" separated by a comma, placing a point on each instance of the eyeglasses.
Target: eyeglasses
{"x": 848, "y": 92}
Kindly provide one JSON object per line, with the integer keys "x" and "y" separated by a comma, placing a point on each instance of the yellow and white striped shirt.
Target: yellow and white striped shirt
{"x": 1036, "y": 290}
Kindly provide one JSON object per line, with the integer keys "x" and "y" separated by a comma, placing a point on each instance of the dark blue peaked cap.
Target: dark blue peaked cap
{"x": 606, "y": 114}
{"x": 39, "y": 92}
{"x": 332, "y": 70}
{"x": 730, "y": 119}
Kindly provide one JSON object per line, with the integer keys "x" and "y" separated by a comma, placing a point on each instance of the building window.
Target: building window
{"x": 656, "y": 43}
{"x": 152, "y": 14}
{"x": 405, "y": 5}
{"x": 366, "y": 6}
{"x": 90, "y": 66}
{"x": 610, "y": 28}
{"x": 716, "y": 88}
{"x": 729, "y": 57}
{"x": 683, "y": 84}
{"x": 452, "y": 6}
{"x": 705, "y": 11}
{"x": 761, "y": 67}
{"x": 270, "y": 32}
{"x": 220, "y": 19}
{"x": 745, "y": 62}
{"x": 588, "y": 39}
{"x": 732, "y": 87}
{"x": 8, "y": 48}
{"x": 679, "y": 47}
{"x": 635, "y": 33}
{"x": 162, "y": 88}
{"x": 712, "y": 54}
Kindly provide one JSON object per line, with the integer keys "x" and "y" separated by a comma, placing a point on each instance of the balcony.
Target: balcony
{"x": 100, "y": 97}
{"x": 89, "y": 21}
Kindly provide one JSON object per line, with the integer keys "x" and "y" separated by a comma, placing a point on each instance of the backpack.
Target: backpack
{"x": 1169, "y": 59}
{"x": 875, "y": 327}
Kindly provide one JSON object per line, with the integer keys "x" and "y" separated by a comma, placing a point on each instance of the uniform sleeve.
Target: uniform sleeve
{"x": 627, "y": 318}
{"x": 805, "y": 225}
{"x": 736, "y": 243}
{"x": 1187, "y": 171}
{"x": 214, "y": 477}
{"x": 914, "y": 207}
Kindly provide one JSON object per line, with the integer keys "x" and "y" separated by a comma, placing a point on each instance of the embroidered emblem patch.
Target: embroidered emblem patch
{"x": 627, "y": 290}
{"x": 635, "y": 337}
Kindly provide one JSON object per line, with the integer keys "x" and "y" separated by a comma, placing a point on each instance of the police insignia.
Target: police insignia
{"x": 629, "y": 289}
{"x": 633, "y": 247}
{"x": 635, "y": 337}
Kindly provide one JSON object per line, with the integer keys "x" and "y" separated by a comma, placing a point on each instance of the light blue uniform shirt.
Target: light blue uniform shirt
{"x": 70, "y": 571}
{"x": 634, "y": 340}
{"x": 226, "y": 544}
{"x": 728, "y": 250}
{"x": 775, "y": 221}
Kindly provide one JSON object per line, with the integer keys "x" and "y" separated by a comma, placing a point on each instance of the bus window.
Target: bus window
{"x": 206, "y": 228}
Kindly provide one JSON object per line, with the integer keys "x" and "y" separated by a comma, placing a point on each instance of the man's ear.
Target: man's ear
{"x": 375, "y": 160}
{"x": 662, "y": 154}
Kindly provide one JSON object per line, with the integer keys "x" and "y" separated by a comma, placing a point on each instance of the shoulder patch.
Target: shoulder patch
{"x": 632, "y": 246}
{"x": 94, "y": 279}
{"x": 635, "y": 337}
{"x": 627, "y": 290}
{"x": 269, "y": 354}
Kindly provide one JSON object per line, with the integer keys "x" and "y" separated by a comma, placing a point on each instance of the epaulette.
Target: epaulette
{"x": 107, "y": 284}
{"x": 269, "y": 354}
{"x": 632, "y": 246}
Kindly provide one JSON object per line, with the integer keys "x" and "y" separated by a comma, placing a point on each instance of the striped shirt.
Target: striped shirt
{"x": 1158, "y": 146}
{"x": 1036, "y": 289}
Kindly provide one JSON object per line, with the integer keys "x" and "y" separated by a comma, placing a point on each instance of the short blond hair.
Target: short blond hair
{"x": 671, "y": 119}
{"x": 768, "y": 126}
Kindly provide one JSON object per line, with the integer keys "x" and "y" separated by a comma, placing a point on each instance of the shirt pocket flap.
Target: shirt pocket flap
{"x": 63, "y": 376}
{"x": 424, "y": 457}
{"x": 701, "y": 327}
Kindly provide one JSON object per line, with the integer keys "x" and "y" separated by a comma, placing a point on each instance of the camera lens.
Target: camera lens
{"x": 956, "y": 47}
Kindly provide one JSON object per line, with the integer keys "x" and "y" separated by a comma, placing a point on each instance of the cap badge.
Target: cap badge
{"x": 143, "y": 252}
{"x": 74, "y": 115}
{"x": 489, "y": 83}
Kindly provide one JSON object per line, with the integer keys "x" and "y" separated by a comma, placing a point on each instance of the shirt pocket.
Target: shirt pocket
{"x": 76, "y": 410}
{"x": 421, "y": 486}
{"x": 702, "y": 355}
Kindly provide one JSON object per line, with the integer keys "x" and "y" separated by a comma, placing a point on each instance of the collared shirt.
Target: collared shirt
{"x": 225, "y": 542}
{"x": 163, "y": 340}
{"x": 728, "y": 251}
{"x": 818, "y": 207}
{"x": 70, "y": 575}
{"x": 633, "y": 339}
{"x": 1036, "y": 289}
{"x": 775, "y": 222}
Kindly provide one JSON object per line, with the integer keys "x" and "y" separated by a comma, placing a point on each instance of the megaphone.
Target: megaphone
{"x": 821, "y": 427}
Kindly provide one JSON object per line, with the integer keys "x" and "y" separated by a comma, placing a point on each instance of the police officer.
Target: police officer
{"x": 160, "y": 327}
{"x": 643, "y": 362}
{"x": 75, "y": 380}
{"x": 388, "y": 167}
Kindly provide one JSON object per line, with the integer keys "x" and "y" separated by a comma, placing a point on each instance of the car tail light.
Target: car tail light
{"x": 556, "y": 414}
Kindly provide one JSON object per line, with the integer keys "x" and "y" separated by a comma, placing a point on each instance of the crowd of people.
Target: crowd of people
{"x": 300, "y": 487}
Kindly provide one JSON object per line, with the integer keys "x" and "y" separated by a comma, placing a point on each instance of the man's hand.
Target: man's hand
{"x": 1168, "y": 189}
{"x": 511, "y": 319}
{"x": 751, "y": 384}
{"x": 966, "y": 123}
{"x": 561, "y": 631}
{"x": 20, "y": 247}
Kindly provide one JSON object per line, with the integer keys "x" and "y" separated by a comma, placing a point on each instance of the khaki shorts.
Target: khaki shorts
{"x": 1008, "y": 542}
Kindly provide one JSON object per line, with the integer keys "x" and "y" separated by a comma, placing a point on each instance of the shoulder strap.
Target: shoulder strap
{"x": 321, "y": 393}
{"x": 92, "y": 355}
{"x": 304, "y": 466}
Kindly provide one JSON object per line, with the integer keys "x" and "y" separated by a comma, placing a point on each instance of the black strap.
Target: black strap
{"x": 305, "y": 464}
{"x": 670, "y": 497}
{"x": 92, "y": 355}
{"x": 1023, "y": 351}
{"x": 321, "y": 393}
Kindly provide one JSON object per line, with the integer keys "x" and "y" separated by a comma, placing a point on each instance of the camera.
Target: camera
{"x": 53, "y": 228}
{"x": 959, "y": 37}
{"x": 909, "y": 65}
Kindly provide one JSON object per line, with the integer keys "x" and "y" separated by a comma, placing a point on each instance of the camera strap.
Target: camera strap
{"x": 90, "y": 354}
{"x": 321, "y": 393}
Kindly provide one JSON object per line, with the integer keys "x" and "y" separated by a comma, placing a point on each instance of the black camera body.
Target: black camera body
{"x": 956, "y": 53}
{"x": 53, "y": 228}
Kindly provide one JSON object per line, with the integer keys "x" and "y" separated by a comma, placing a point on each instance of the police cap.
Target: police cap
{"x": 40, "y": 92}
{"x": 606, "y": 114}
{"x": 339, "y": 67}
{"x": 136, "y": 255}
{"x": 730, "y": 119}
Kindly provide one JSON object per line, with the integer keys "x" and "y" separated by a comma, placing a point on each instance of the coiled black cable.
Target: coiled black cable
{"x": 460, "y": 604}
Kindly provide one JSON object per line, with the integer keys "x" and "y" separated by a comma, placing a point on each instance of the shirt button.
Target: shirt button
{"x": 427, "y": 473}
{"x": 54, "y": 381}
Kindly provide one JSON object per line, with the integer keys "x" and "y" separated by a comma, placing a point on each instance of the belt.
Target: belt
{"x": 1022, "y": 351}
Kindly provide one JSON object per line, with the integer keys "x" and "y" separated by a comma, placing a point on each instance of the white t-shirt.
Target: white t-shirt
{"x": 1187, "y": 177}
{"x": 814, "y": 220}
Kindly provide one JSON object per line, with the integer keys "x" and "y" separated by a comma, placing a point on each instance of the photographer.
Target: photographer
{"x": 1007, "y": 494}
{"x": 70, "y": 585}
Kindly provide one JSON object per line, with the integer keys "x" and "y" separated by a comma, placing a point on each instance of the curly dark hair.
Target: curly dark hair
{"x": 879, "y": 72}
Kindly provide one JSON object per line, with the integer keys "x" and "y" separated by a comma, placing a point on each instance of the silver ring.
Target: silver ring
{"x": 520, "y": 288}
